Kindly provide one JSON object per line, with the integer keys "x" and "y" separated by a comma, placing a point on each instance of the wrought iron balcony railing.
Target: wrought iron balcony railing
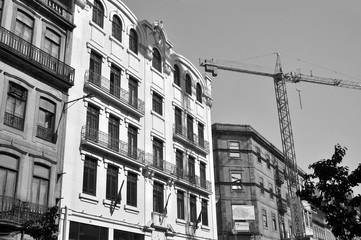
{"x": 107, "y": 141}
{"x": 193, "y": 179}
{"x": 13, "y": 121}
{"x": 35, "y": 55}
{"x": 282, "y": 206}
{"x": 161, "y": 164}
{"x": 45, "y": 133}
{"x": 280, "y": 179}
{"x": 18, "y": 212}
{"x": 108, "y": 87}
{"x": 187, "y": 134}
{"x": 58, "y": 8}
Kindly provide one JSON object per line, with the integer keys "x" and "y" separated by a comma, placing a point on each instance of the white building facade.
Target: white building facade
{"x": 138, "y": 160}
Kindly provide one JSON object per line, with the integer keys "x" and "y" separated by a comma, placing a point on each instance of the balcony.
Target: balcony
{"x": 282, "y": 206}
{"x": 160, "y": 164}
{"x": 106, "y": 142}
{"x": 122, "y": 98}
{"x": 193, "y": 179}
{"x": 58, "y": 8}
{"x": 16, "y": 212}
{"x": 39, "y": 60}
{"x": 13, "y": 121}
{"x": 188, "y": 137}
{"x": 46, "y": 134}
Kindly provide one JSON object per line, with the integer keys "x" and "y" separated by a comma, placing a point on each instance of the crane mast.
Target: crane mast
{"x": 280, "y": 80}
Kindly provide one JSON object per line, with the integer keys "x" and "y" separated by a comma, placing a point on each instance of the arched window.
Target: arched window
{"x": 199, "y": 93}
{"x": 98, "y": 13}
{"x": 133, "y": 41}
{"x": 176, "y": 75}
{"x": 188, "y": 84}
{"x": 117, "y": 28}
{"x": 157, "y": 60}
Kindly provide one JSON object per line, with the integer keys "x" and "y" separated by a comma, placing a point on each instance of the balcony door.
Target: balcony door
{"x": 92, "y": 123}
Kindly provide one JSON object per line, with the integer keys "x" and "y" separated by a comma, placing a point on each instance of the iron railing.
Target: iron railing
{"x": 106, "y": 86}
{"x": 107, "y": 141}
{"x": 13, "y": 121}
{"x": 161, "y": 164}
{"x": 45, "y": 133}
{"x": 35, "y": 55}
{"x": 57, "y": 7}
{"x": 193, "y": 179}
{"x": 17, "y": 211}
{"x": 190, "y": 136}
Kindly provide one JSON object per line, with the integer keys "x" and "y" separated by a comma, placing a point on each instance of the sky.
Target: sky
{"x": 320, "y": 37}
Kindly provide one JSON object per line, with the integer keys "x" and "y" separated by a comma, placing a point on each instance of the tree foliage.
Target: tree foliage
{"x": 329, "y": 189}
{"x": 44, "y": 228}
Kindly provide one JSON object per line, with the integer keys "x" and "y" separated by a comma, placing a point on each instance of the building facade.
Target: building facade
{"x": 35, "y": 77}
{"x": 138, "y": 159}
{"x": 253, "y": 201}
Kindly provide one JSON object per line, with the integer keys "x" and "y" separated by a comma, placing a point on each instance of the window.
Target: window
{"x": 193, "y": 208}
{"x": 46, "y": 121}
{"x": 157, "y": 60}
{"x": 52, "y": 44}
{"x": 157, "y": 153}
{"x": 132, "y": 141}
{"x": 179, "y": 163}
{"x": 264, "y": 218}
{"x": 113, "y": 131}
{"x": 202, "y": 174}
{"x": 158, "y": 197}
{"x": 92, "y": 123}
{"x": 201, "y": 135}
{"x": 24, "y": 28}
{"x": 117, "y": 28}
{"x": 274, "y": 222}
{"x": 234, "y": 149}
{"x": 114, "y": 87}
{"x": 95, "y": 68}
{"x": 123, "y": 235}
{"x": 81, "y": 231}
{"x": 261, "y": 185}
{"x": 176, "y": 76}
{"x": 15, "y": 106}
{"x": 288, "y": 200}
{"x": 133, "y": 41}
{"x": 157, "y": 104}
{"x": 133, "y": 92}
{"x": 98, "y": 13}
{"x": 270, "y": 190}
{"x": 268, "y": 161}
{"x": 8, "y": 175}
{"x": 190, "y": 128}
{"x": 199, "y": 92}
{"x": 132, "y": 189}
{"x": 259, "y": 158}
{"x": 236, "y": 179}
{"x": 178, "y": 120}
{"x": 112, "y": 182}
{"x": 90, "y": 176}
{"x": 191, "y": 170}
{"x": 1, "y": 8}
{"x": 40, "y": 185}
{"x": 188, "y": 84}
{"x": 204, "y": 212}
{"x": 180, "y": 204}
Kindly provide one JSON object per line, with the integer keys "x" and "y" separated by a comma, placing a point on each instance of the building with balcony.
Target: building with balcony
{"x": 35, "y": 78}
{"x": 138, "y": 163}
{"x": 253, "y": 201}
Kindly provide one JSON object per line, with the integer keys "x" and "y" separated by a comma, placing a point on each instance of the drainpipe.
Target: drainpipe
{"x": 65, "y": 222}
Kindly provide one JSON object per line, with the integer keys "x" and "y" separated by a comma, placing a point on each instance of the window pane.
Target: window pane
{"x": 35, "y": 189}
{"x": 43, "y": 192}
{"x": 41, "y": 171}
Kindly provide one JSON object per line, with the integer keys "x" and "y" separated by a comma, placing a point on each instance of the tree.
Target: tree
{"x": 45, "y": 227}
{"x": 329, "y": 189}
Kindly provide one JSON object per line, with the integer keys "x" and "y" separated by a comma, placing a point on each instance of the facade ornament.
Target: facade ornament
{"x": 157, "y": 30}
{"x": 167, "y": 68}
{"x": 147, "y": 51}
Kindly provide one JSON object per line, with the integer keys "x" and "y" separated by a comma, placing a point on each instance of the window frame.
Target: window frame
{"x": 133, "y": 41}
{"x": 158, "y": 153}
{"x": 204, "y": 207}
{"x": 158, "y": 197}
{"x": 14, "y": 92}
{"x": 133, "y": 92}
{"x": 157, "y": 103}
{"x": 236, "y": 184}
{"x": 42, "y": 179}
{"x": 19, "y": 22}
{"x": 176, "y": 75}
{"x": 98, "y": 13}
{"x": 157, "y": 60}
{"x": 188, "y": 85}
{"x": 192, "y": 208}
{"x": 92, "y": 122}
{"x": 132, "y": 141}
{"x": 90, "y": 176}
{"x": 180, "y": 205}
{"x": 203, "y": 174}
{"x": 179, "y": 155}
{"x": 112, "y": 182}
{"x": 261, "y": 183}
{"x": 191, "y": 169}
{"x": 45, "y": 132}
{"x": 270, "y": 187}
{"x": 117, "y": 28}
{"x": 132, "y": 189}
{"x": 199, "y": 96}
{"x": 115, "y": 80}
{"x": 264, "y": 218}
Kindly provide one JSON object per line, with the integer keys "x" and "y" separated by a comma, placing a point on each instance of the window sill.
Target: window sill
{"x": 88, "y": 198}
{"x": 131, "y": 209}
{"x": 156, "y": 72}
{"x": 157, "y": 114}
{"x": 177, "y": 86}
{"x": 110, "y": 204}
{"x": 205, "y": 228}
{"x": 133, "y": 54}
{"x": 93, "y": 24}
{"x": 181, "y": 221}
{"x": 116, "y": 41}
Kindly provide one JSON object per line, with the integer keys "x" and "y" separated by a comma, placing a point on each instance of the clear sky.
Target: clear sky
{"x": 321, "y": 36}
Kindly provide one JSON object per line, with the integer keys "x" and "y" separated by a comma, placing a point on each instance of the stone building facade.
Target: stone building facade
{"x": 138, "y": 159}
{"x": 35, "y": 78}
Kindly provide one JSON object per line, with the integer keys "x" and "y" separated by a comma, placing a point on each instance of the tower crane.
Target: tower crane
{"x": 280, "y": 80}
